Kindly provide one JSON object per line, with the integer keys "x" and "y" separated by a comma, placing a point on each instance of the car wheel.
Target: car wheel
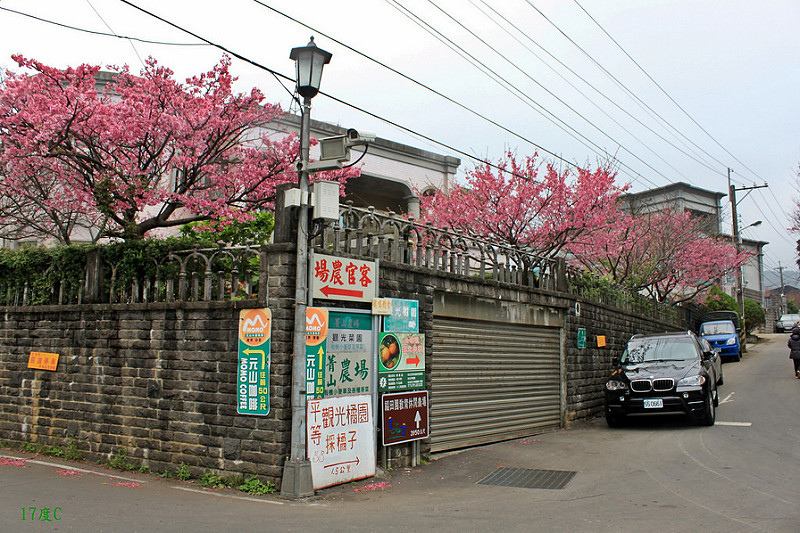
{"x": 710, "y": 416}
{"x": 614, "y": 421}
{"x": 738, "y": 356}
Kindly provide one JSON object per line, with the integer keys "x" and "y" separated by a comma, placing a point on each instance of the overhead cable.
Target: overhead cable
{"x": 618, "y": 82}
{"x": 694, "y": 156}
{"x": 665, "y": 93}
{"x": 278, "y": 76}
{"x": 409, "y": 78}
{"x": 84, "y": 30}
{"x": 500, "y": 80}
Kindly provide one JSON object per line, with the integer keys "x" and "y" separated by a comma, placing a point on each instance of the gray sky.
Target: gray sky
{"x": 730, "y": 65}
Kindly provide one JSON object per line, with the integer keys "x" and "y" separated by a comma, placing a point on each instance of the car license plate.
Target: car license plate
{"x": 654, "y": 404}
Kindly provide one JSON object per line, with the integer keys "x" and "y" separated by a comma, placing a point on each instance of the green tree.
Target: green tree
{"x": 791, "y": 307}
{"x": 209, "y": 232}
{"x": 754, "y": 316}
{"x": 716, "y": 300}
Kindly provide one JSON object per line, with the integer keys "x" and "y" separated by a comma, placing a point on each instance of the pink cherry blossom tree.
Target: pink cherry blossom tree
{"x": 148, "y": 152}
{"x": 665, "y": 254}
{"x": 518, "y": 204}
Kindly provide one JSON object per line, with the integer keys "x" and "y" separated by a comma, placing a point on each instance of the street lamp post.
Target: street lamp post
{"x": 297, "y": 482}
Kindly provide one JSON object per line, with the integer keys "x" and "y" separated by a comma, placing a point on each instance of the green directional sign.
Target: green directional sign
{"x": 316, "y": 351}
{"x": 252, "y": 372}
{"x": 581, "y": 338}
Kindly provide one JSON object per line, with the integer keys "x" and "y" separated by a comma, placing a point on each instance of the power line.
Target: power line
{"x": 551, "y": 93}
{"x": 103, "y": 34}
{"x": 510, "y": 87}
{"x": 497, "y": 78}
{"x": 135, "y": 51}
{"x": 666, "y": 94}
{"x": 693, "y": 156}
{"x": 617, "y": 81}
{"x": 424, "y": 86}
{"x": 278, "y": 76}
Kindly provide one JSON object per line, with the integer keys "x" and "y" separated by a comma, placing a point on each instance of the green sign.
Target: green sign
{"x": 338, "y": 353}
{"x": 316, "y": 343}
{"x": 581, "y": 338}
{"x": 252, "y": 372}
{"x": 404, "y": 317}
{"x": 401, "y": 361}
{"x": 349, "y": 363}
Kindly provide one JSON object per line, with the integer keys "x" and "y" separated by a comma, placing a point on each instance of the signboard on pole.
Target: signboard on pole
{"x": 316, "y": 344}
{"x": 349, "y": 366}
{"x": 405, "y": 416}
{"x": 252, "y": 373}
{"x": 341, "y": 442}
{"x": 340, "y": 278}
{"x": 401, "y": 361}
{"x": 403, "y": 316}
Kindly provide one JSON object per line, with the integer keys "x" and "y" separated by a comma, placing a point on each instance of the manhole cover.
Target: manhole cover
{"x": 526, "y": 478}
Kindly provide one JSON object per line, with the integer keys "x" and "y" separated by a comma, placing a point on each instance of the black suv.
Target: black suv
{"x": 669, "y": 373}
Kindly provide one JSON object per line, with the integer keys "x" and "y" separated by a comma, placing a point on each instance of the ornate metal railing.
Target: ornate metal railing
{"x": 389, "y": 237}
{"x": 584, "y": 284}
{"x": 197, "y": 274}
{"x": 232, "y": 273}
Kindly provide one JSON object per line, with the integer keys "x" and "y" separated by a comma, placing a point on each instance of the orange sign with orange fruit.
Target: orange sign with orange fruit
{"x": 401, "y": 358}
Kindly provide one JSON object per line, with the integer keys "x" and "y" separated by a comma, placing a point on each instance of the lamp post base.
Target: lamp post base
{"x": 297, "y": 482}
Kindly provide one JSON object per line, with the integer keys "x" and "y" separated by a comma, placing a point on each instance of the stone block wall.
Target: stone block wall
{"x": 154, "y": 381}
{"x": 588, "y": 368}
{"x": 157, "y": 381}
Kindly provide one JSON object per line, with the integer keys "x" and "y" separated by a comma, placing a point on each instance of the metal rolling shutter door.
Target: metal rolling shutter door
{"x": 492, "y": 381}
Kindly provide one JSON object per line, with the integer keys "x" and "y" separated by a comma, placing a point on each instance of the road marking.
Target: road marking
{"x": 728, "y": 398}
{"x": 738, "y": 424}
{"x": 210, "y": 493}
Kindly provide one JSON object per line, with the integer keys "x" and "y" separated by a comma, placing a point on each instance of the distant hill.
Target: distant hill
{"x": 772, "y": 278}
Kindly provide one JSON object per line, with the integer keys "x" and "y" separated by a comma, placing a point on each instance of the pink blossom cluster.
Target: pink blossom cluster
{"x": 146, "y": 152}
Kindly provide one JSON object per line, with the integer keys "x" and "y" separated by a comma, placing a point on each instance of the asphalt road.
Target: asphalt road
{"x": 743, "y": 474}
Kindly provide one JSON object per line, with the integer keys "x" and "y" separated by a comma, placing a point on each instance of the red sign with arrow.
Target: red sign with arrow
{"x": 341, "y": 278}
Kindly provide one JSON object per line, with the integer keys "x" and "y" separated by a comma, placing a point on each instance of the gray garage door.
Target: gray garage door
{"x": 492, "y": 381}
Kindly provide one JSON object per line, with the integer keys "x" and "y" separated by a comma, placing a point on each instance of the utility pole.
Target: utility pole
{"x": 781, "y": 305}
{"x": 737, "y": 240}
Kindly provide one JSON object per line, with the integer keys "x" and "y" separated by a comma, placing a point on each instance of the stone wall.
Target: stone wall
{"x": 153, "y": 381}
{"x": 588, "y": 368}
{"x": 157, "y": 381}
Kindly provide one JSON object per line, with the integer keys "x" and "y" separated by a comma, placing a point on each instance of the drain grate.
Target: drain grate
{"x": 526, "y": 478}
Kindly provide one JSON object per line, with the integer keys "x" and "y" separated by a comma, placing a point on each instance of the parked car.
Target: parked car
{"x": 786, "y": 323}
{"x": 669, "y": 373}
{"x": 722, "y": 336}
{"x": 733, "y": 316}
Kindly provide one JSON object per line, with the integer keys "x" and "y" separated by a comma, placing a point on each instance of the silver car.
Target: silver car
{"x": 786, "y": 323}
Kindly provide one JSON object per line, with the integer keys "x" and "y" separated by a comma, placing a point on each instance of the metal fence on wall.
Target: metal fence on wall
{"x": 197, "y": 274}
{"x": 233, "y": 273}
{"x": 368, "y": 233}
